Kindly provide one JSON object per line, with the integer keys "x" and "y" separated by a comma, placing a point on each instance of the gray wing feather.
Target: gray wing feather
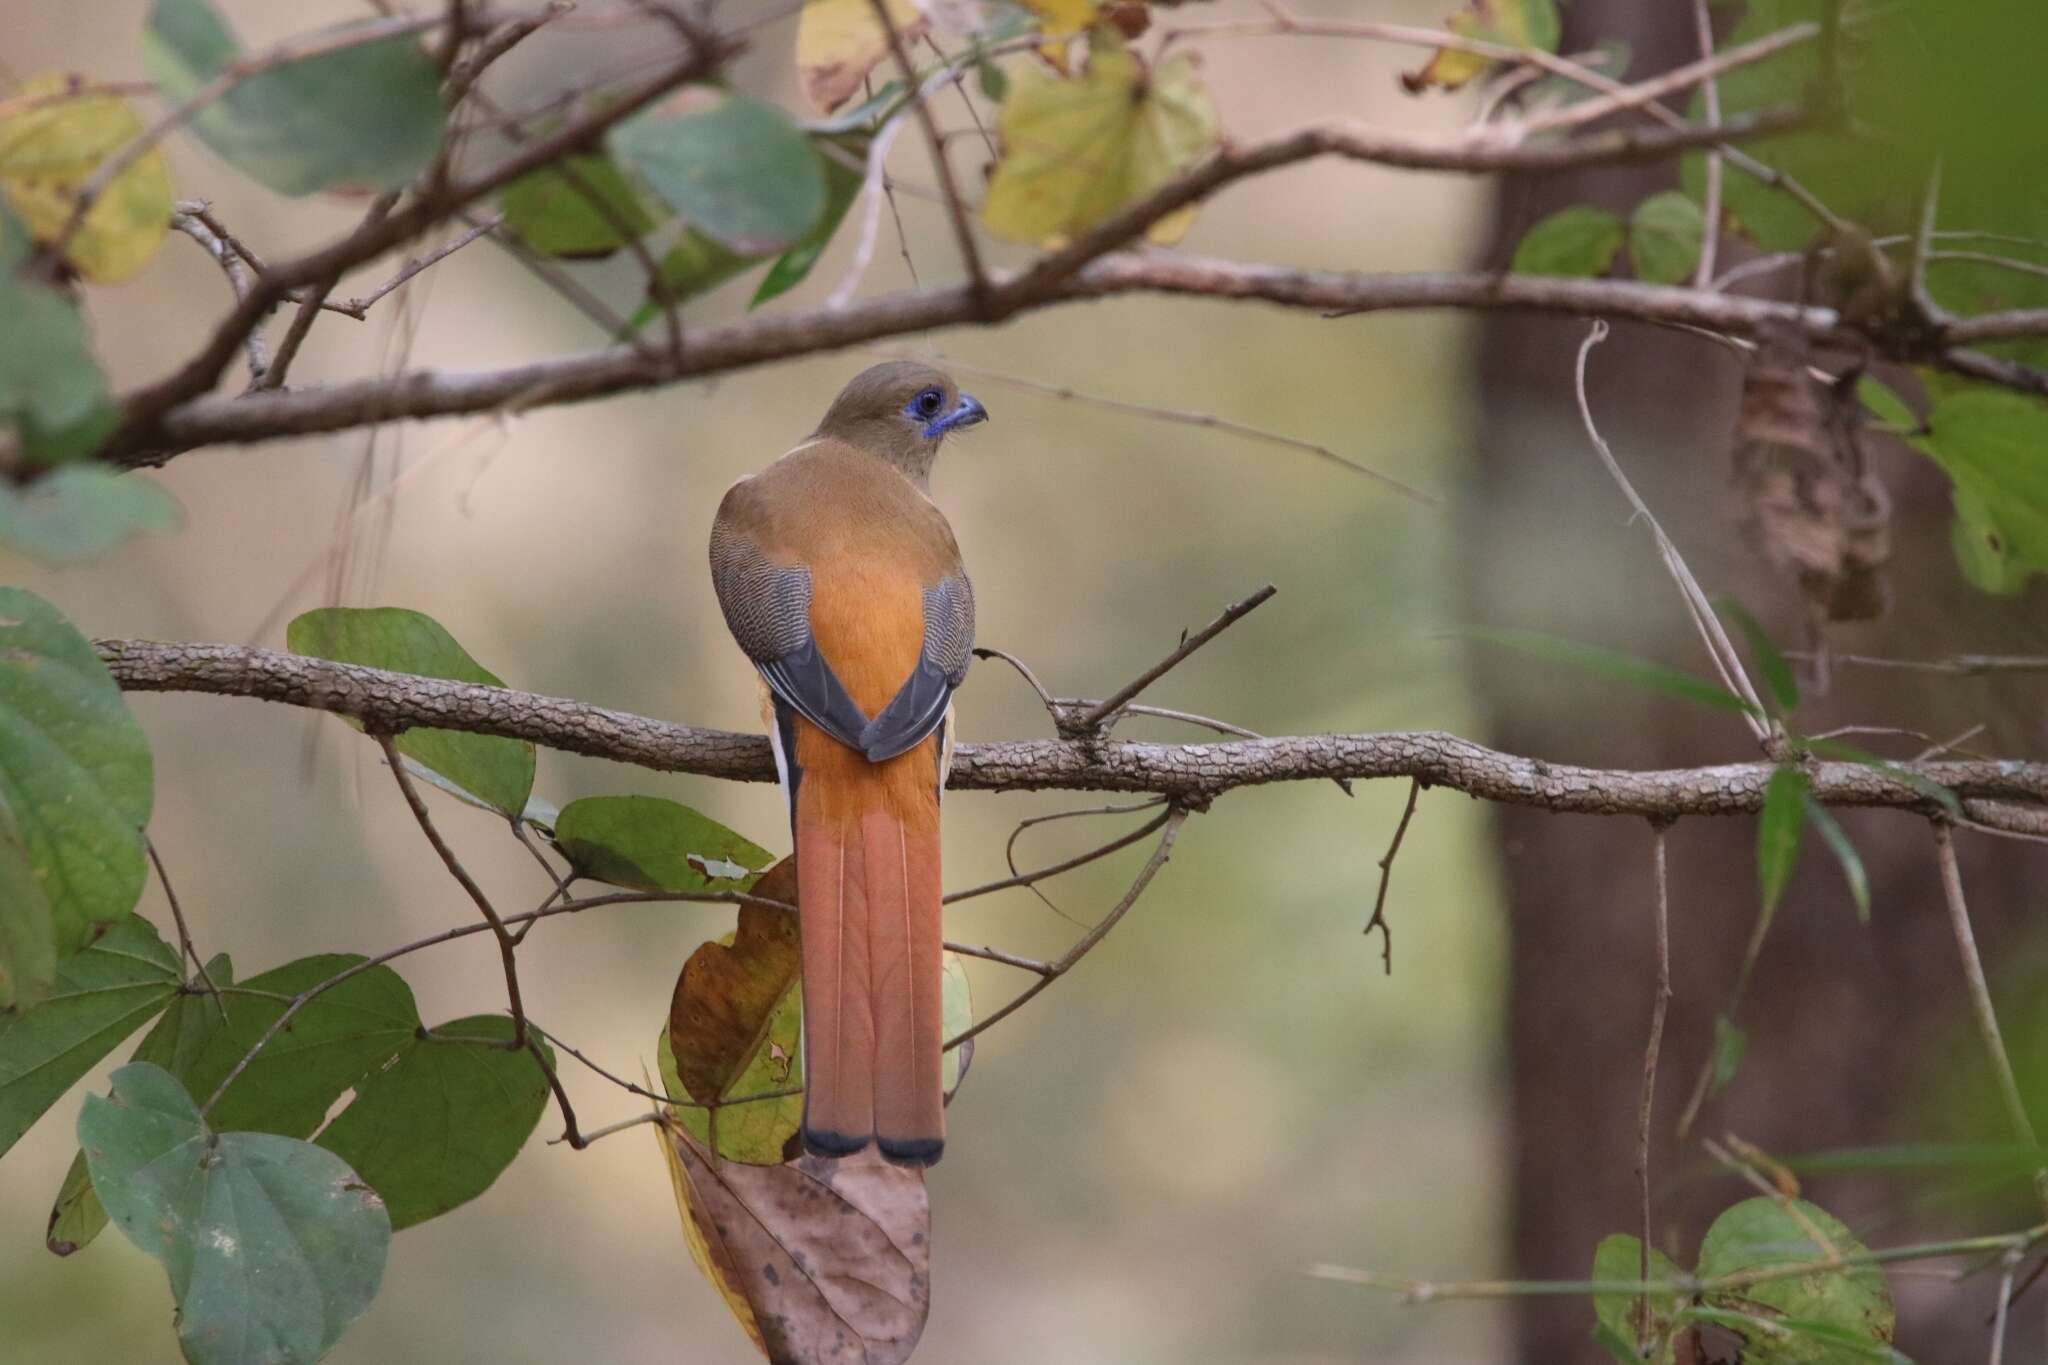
{"x": 920, "y": 704}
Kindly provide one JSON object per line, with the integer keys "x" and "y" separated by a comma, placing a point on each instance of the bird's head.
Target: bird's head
{"x": 900, "y": 411}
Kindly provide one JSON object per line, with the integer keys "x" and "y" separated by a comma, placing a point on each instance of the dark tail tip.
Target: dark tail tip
{"x": 914, "y": 1151}
{"x": 825, "y": 1142}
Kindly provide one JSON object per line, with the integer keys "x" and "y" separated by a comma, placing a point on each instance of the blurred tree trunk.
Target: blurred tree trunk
{"x": 1845, "y": 1024}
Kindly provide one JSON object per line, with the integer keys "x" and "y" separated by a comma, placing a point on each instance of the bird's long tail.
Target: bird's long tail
{"x": 868, "y": 889}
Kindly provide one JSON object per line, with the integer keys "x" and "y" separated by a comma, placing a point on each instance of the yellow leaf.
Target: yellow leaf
{"x": 1062, "y": 18}
{"x": 51, "y": 143}
{"x": 1508, "y": 23}
{"x": 839, "y": 41}
{"x": 1078, "y": 148}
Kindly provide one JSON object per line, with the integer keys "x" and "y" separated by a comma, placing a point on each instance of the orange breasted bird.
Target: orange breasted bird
{"x": 840, "y": 580}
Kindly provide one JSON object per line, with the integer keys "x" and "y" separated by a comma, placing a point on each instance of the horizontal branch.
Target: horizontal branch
{"x": 765, "y": 337}
{"x": 1189, "y": 773}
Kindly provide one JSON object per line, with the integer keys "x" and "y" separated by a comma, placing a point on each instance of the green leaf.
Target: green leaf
{"x": 994, "y": 84}
{"x": 1608, "y": 663}
{"x": 695, "y": 265}
{"x": 338, "y": 1039}
{"x": 1579, "y": 241}
{"x": 1832, "y": 1300}
{"x": 102, "y": 995}
{"x": 366, "y": 116}
{"x": 172, "y": 1043}
{"x": 1729, "y": 1044}
{"x": 1777, "y": 833}
{"x": 742, "y": 172}
{"x": 1078, "y": 148}
{"x": 28, "y": 932}
{"x": 432, "y": 1128}
{"x": 52, "y": 393}
{"x": 499, "y": 771}
{"x": 1664, "y": 236}
{"x": 75, "y": 784}
{"x": 1991, "y": 444}
{"x": 273, "y": 1246}
{"x": 555, "y": 217}
{"x": 842, "y": 187}
{"x": 1779, "y": 679}
{"x": 1619, "y": 1257}
{"x": 651, "y": 844}
{"x": 1837, "y": 839}
{"x": 1983, "y": 551}
{"x": 81, "y": 511}
{"x": 1882, "y": 401}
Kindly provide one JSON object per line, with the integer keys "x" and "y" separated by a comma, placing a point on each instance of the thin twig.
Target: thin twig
{"x": 1980, "y": 999}
{"x": 359, "y": 308}
{"x": 1720, "y": 649}
{"x": 956, "y": 206}
{"x": 1090, "y": 721}
{"x": 311, "y": 303}
{"x": 1379, "y": 903}
{"x": 507, "y": 949}
{"x": 1960, "y": 665}
{"x": 185, "y": 947}
{"x": 1998, "y": 1323}
{"x": 1710, "y": 208}
{"x": 1163, "y": 850}
{"x": 235, "y": 266}
{"x": 1079, "y": 860}
{"x": 1431, "y": 1291}
{"x": 1660, "y": 1002}
{"x": 1184, "y": 417}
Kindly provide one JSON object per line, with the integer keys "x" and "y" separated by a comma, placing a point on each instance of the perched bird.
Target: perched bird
{"x": 840, "y": 579}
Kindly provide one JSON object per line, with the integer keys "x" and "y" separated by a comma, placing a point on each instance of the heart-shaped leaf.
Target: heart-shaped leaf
{"x": 273, "y": 1246}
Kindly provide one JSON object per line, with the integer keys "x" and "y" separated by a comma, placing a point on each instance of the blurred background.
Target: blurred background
{"x": 1145, "y": 1161}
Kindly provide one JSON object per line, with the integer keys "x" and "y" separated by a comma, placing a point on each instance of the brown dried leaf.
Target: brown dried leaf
{"x": 1807, "y": 500}
{"x": 1510, "y": 23}
{"x": 838, "y": 42}
{"x": 726, "y": 995}
{"x": 824, "y": 1261}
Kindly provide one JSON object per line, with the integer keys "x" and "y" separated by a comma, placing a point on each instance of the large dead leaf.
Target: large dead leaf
{"x": 1078, "y": 148}
{"x": 1509, "y": 23}
{"x": 839, "y": 41}
{"x": 824, "y": 1261}
{"x": 1808, "y": 501}
{"x": 52, "y": 139}
{"x": 733, "y": 1027}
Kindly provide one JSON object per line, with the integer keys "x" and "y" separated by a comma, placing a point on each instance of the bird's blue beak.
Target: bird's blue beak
{"x": 965, "y": 414}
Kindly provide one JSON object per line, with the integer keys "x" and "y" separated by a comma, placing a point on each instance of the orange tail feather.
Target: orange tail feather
{"x": 868, "y": 891}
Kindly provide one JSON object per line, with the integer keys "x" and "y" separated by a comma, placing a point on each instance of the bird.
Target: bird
{"x": 841, "y": 581}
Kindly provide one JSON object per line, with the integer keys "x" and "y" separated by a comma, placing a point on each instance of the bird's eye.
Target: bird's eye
{"x": 928, "y": 402}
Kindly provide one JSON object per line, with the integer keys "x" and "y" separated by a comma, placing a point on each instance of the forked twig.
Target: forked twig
{"x": 1175, "y": 818}
{"x": 1091, "y": 720}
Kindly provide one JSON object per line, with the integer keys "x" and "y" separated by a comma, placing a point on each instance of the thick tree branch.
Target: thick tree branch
{"x": 1188, "y": 773}
{"x": 763, "y": 338}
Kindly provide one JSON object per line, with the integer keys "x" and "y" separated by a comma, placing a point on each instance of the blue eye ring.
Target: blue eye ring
{"x": 927, "y": 403}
